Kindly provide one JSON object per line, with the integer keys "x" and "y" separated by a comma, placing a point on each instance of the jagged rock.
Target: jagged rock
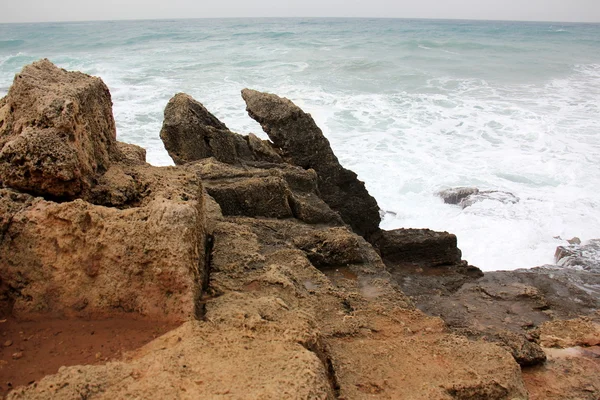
{"x": 422, "y": 247}
{"x": 267, "y": 197}
{"x": 190, "y": 132}
{"x": 77, "y": 259}
{"x": 467, "y": 196}
{"x": 303, "y": 144}
{"x": 374, "y": 341}
{"x": 585, "y": 256}
{"x": 272, "y": 324}
{"x": 57, "y": 131}
{"x": 263, "y": 150}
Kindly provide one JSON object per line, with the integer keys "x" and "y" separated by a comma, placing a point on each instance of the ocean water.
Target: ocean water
{"x": 412, "y": 106}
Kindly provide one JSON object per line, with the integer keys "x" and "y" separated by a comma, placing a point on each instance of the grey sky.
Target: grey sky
{"x": 84, "y": 10}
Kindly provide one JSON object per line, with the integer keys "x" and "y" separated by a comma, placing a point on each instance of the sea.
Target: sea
{"x": 412, "y": 106}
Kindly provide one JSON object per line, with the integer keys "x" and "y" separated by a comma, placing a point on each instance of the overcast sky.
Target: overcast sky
{"x": 85, "y": 10}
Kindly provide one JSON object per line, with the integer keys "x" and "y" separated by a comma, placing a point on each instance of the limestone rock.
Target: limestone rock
{"x": 267, "y": 197}
{"x": 263, "y": 149}
{"x": 570, "y": 333}
{"x": 303, "y": 144}
{"x": 331, "y": 247}
{"x": 525, "y": 352}
{"x": 76, "y": 259}
{"x": 57, "y": 131}
{"x": 132, "y": 153}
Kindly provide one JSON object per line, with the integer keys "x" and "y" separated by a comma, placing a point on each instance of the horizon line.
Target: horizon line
{"x": 301, "y": 17}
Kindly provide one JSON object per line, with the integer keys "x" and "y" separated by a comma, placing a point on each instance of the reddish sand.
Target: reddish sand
{"x": 31, "y": 350}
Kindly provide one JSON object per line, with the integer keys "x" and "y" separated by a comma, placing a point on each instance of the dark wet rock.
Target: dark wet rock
{"x": 517, "y": 302}
{"x": 456, "y": 195}
{"x": 302, "y": 143}
{"x": 57, "y": 132}
{"x": 467, "y": 196}
{"x": 422, "y": 247}
{"x": 575, "y": 255}
{"x": 525, "y": 352}
{"x": 190, "y": 133}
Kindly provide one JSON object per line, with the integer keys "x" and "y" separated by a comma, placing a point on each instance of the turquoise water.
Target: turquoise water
{"x": 413, "y": 106}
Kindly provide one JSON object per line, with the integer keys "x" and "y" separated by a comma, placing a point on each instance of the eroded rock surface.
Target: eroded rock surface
{"x": 508, "y": 307}
{"x": 191, "y": 133}
{"x": 57, "y": 131}
{"x": 303, "y": 144}
{"x": 124, "y": 238}
{"x": 78, "y": 259}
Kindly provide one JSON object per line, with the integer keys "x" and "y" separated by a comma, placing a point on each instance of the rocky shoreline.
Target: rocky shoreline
{"x": 260, "y": 264}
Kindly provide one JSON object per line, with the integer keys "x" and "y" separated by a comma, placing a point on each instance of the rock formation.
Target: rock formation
{"x": 270, "y": 285}
{"x": 302, "y": 143}
{"x": 190, "y": 133}
{"x": 56, "y": 131}
{"x": 77, "y": 258}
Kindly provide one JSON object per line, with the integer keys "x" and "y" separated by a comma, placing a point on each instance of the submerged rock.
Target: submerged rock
{"x": 456, "y": 195}
{"x": 302, "y": 143}
{"x": 467, "y": 196}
